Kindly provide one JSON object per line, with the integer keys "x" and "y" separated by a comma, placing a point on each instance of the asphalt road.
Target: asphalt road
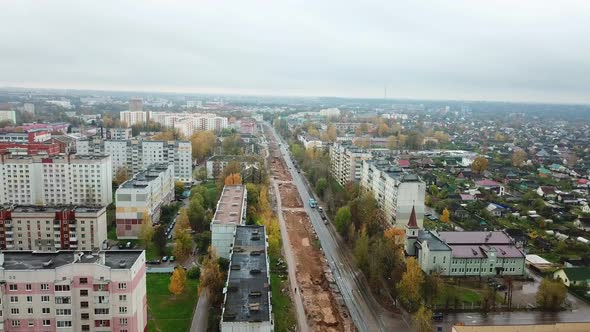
{"x": 366, "y": 313}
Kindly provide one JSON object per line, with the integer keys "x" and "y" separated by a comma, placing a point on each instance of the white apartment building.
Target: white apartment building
{"x": 117, "y": 133}
{"x": 9, "y": 115}
{"x": 136, "y": 155}
{"x": 346, "y": 162}
{"x": 190, "y": 123}
{"x": 73, "y": 291}
{"x": 65, "y": 179}
{"x": 144, "y": 195}
{"x": 333, "y": 111}
{"x": 133, "y": 117}
{"x": 396, "y": 191}
{"x": 230, "y": 213}
{"x": 50, "y": 228}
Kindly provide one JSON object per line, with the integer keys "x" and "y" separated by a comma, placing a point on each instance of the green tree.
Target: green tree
{"x": 361, "y": 252}
{"x": 321, "y": 186}
{"x": 410, "y": 286}
{"x": 197, "y": 215}
{"x": 551, "y": 294}
{"x": 183, "y": 245}
{"x": 146, "y": 232}
{"x": 178, "y": 188}
{"x": 343, "y": 219}
{"x": 232, "y": 145}
{"x": 160, "y": 240}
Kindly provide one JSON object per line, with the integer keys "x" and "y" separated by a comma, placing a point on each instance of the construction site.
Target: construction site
{"x": 323, "y": 305}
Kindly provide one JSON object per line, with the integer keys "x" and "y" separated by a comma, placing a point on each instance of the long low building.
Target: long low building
{"x": 143, "y": 197}
{"x": 247, "y": 303}
{"x": 230, "y": 213}
{"x": 216, "y": 164}
{"x": 51, "y": 228}
{"x": 73, "y": 291}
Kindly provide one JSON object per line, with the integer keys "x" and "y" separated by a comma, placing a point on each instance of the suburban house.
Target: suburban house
{"x": 491, "y": 186}
{"x": 572, "y": 276}
{"x": 546, "y": 192}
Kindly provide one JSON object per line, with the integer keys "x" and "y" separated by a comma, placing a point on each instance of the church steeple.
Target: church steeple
{"x": 412, "y": 223}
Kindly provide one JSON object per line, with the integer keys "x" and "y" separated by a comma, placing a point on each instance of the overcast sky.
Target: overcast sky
{"x": 520, "y": 50}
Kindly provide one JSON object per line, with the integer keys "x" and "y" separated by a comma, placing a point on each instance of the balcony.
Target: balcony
{"x": 73, "y": 245}
{"x": 7, "y": 232}
{"x": 9, "y": 246}
{"x": 8, "y": 223}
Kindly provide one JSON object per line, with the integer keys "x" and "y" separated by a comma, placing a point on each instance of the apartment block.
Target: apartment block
{"x": 142, "y": 196}
{"x": 247, "y": 302}
{"x": 117, "y": 133}
{"x": 230, "y": 213}
{"x": 131, "y": 118}
{"x": 64, "y": 179}
{"x": 346, "y": 162}
{"x": 73, "y": 291}
{"x": 190, "y": 123}
{"x": 51, "y": 228}
{"x": 135, "y": 155}
{"x": 397, "y": 192}
{"x": 8, "y": 115}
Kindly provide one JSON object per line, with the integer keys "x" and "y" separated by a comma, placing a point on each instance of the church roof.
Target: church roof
{"x": 412, "y": 223}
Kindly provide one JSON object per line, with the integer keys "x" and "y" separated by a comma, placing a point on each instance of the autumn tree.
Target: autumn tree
{"x": 331, "y": 133}
{"x": 212, "y": 278}
{"x": 160, "y": 239}
{"x": 361, "y": 251}
{"x": 121, "y": 175}
{"x": 362, "y": 142}
{"x": 169, "y": 134}
{"x": 518, "y": 158}
{"x": 182, "y": 223}
{"x": 233, "y": 179}
{"x": 410, "y": 286}
{"x": 479, "y": 165}
{"x": 183, "y": 246}
{"x": 232, "y": 145}
{"x": 392, "y": 142}
{"x": 441, "y": 136}
{"x": 201, "y": 174}
{"x": 203, "y": 143}
{"x": 177, "y": 281}
{"x": 382, "y": 129}
{"x": 414, "y": 141}
{"x": 146, "y": 232}
{"x": 551, "y": 294}
{"x": 446, "y": 215}
{"x": 422, "y": 320}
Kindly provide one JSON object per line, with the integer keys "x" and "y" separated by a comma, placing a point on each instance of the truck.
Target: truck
{"x": 312, "y": 203}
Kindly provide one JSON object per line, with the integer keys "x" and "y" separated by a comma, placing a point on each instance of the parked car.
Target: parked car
{"x": 171, "y": 259}
{"x": 438, "y": 317}
{"x": 165, "y": 259}
{"x": 154, "y": 262}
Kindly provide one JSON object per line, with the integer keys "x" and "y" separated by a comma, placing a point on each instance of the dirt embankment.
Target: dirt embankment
{"x": 290, "y": 196}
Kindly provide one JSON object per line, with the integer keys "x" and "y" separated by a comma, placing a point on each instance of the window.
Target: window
{"x": 44, "y": 286}
{"x": 29, "y": 299}
{"x": 62, "y": 288}
{"x": 84, "y": 304}
{"x": 434, "y": 260}
{"x": 64, "y": 323}
{"x": 15, "y": 323}
{"x": 85, "y": 316}
{"x": 123, "y": 297}
{"x": 31, "y": 323}
{"x": 30, "y": 311}
{"x": 13, "y": 287}
{"x": 28, "y": 287}
{"x": 14, "y": 299}
{"x": 85, "y": 327}
{"x": 46, "y": 322}
{"x": 63, "y": 300}
{"x": 46, "y": 310}
{"x": 83, "y": 292}
{"x": 122, "y": 310}
{"x": 14, "y": 311}
{"x": 83, "y": 281}
{"x": 122, "y": 285}
{"x": 63, "y": 312}
{"x": 101, "y": 311}
{"x": 123, "y": 321}
{"x": 45, "y": 298}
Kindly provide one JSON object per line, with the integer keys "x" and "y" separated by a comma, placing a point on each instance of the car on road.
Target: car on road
{"x": 321, "y": 209}
{"x": 165, "y": 259}
{"x": 171, "y": 259}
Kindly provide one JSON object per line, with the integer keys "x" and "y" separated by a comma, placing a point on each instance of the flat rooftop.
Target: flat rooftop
{"x": 51, "y": 208}
{"x": 142, "y": 178}
{"x": 229, "y": 206}
{"x": 33, "y": 260}
{"x": 247, "y": 297}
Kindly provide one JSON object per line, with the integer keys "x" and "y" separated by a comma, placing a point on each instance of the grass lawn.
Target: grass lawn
{"x": 281, "y": 305}
{"x": 466, "y": 295}
{"x": 151, "y": 252}
{"x": 112, "y": 233}
{"x": 167, "y": 312}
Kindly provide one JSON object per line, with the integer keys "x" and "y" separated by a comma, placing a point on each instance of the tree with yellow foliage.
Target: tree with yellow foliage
{"x": 121, "y": 175}
{"x": 332, "y": 133}
{"x": 410, "y": 286}
{"x": 212, "y": 278}
{"x": 177, "y": 281}
{"x": 203, "y": 143}
{"x": 183, "y": 245}
{"x": 146, "y": 233}
{"x": 479, "y": 165}
{"x": 182, "y": 223}
{"x": 233, "y": 179}
{"x": 518, "y": 158}
{"x": 382, "y": 129}
{"x": 446, "y": 215}
{"x": 422, "y": 320}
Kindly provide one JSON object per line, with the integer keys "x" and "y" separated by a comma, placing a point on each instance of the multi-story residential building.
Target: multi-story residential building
{"x": 329, "y": 112}
{"x": 247, "y": 303}
{"x": 73, "y": 291}
{"x": 216, "y": 164}
{"x": 230, "y": 213}
{"x": 143, "y": 197}
{"x": 346, "y": 162}
{"x": 131, "y": 118}
{"x": 31, "y": 136}
{"x": 396, "y": 191}
{"x": 46, "y": 148}
{"x": 8, "y": 115}
{"x": 61, "y": 127}
{"x": 190, "y": 123}
{"x": 135, "y": 104}
{"x": 117, "y": 133}
{"x": 137, "y": 154}
{"x": 55, "y": 180}
{"x": 464, "y": 254}
{"x": 50, "y": 228}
